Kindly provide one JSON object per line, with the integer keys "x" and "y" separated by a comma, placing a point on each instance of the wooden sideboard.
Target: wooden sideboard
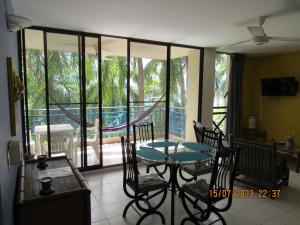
{"x": 69, "y": 204}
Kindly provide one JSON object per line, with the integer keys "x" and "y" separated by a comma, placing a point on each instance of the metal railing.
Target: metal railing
{"x": 219, "y": 118}
{"x": 113, "y": 116}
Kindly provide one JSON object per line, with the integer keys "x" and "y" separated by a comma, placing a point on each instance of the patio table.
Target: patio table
{"x": 64, "y": 129}
{"x": 173, "y": 154}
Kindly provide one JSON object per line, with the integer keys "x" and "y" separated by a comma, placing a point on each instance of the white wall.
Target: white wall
{"x": 8, "y": 48}
{"x": 208, "y": 87}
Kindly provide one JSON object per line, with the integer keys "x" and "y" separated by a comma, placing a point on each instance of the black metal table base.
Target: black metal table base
{"x": 174, "y": 187}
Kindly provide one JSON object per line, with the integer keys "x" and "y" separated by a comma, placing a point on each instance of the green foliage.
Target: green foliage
{"x": 64, "y": 79}
{"x": 221, "y": 67}
{"x": 114, "y": 77}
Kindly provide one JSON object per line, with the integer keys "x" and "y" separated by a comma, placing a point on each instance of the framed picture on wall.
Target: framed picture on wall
{"x": 15, "y": 92}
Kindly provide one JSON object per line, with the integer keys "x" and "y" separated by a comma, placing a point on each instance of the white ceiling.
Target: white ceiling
{"x": 205, "y": 23}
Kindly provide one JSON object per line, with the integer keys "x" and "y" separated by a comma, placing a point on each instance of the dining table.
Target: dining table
{"x": 173, "y": 154}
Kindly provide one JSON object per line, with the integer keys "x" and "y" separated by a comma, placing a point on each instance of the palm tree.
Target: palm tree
{"x": 220, "y": 78}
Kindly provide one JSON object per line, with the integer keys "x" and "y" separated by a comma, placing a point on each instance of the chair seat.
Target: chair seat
{"x": 149, "y": 182}
{"x": 200, "y": 190}
{"x": 196, "y": 169}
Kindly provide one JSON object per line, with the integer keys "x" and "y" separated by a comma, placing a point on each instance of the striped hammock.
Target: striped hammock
{"x": 137, "y": 120}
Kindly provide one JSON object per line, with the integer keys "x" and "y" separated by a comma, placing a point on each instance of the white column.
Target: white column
{"x": 192, "y": 93}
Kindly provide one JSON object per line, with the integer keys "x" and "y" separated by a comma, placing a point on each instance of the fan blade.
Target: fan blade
{"x": 285, "y": 39}
{"x": 228, "y": 47}
{"x": 256, "y": 31}
{"x": 289, "y": 7}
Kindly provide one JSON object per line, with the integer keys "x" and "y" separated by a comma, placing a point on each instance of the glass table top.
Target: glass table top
{"x": 169, "y": 152}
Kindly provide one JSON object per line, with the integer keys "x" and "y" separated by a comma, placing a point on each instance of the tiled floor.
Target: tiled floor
{"x": 108, "y": 202}
{"x": 111, "y": 155}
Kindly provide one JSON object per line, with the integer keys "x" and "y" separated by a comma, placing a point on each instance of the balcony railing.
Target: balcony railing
{"x": 219, "y": 118}
{"x": 116, "y": 116}
{"x": 113, "y": 116}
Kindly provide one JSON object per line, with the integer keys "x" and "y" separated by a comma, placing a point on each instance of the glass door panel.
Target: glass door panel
{"x": 114, "y": 97}
{"x": 184, "y": 83}
{"x": 148, "y": 65}
{"x": 64, "y": 90}
{"x": 222, "y": 69}
{"x": 36, "y": 94}
{"x": 92, "y": 101}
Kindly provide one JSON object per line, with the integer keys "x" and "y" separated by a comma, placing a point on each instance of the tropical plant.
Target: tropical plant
{"x": 148, "y": 80}
{"x": 220, "y": 79}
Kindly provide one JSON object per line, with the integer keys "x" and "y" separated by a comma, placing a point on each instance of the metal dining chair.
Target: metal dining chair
{"x": 219, "y": 188}
{"x": 208, "y": 137}
{"x": 198, "y": 128}
{"x": 141, "y": 185}
{"x": 144, "y": 132}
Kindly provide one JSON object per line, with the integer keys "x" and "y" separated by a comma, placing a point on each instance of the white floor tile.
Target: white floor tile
{"x": 108, "y": 201}
{"x": 101, "y": 222}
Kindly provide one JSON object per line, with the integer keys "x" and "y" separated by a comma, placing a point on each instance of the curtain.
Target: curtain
{"x": 235, "y": 96}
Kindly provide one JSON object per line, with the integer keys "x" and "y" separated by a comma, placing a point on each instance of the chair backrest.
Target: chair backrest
{"x": 224, "y": 172}
{"x": 59, "y": 142}
{"x": 130, "y": 170}
{"x": 256, "y": 159}
{"x": 96, "y": 125}
{"x": 211, "y": 138}
{"x": 198, "y": 128}
{"x": 143, "y": 132}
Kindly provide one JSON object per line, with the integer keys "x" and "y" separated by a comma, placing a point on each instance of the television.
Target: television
{"x": 282, "y": 86}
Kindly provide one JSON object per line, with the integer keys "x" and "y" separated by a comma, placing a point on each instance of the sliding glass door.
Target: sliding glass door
{"x": 63, "y": 89}
{"x": 148, "y": 79}
{"x": 59, "y": 77}
{"x": 92, "y": 106}
{"x": 114, "y": 97}
{"x": 184, "y": 89}
{"x": 35, "y": 81}
{"x": 84, "y": 91}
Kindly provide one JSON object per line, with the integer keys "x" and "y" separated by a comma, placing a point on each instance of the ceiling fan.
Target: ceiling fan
{"x": 259, "y": 37}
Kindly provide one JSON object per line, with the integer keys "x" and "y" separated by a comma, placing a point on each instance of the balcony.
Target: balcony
{"x": 112, "y": 117}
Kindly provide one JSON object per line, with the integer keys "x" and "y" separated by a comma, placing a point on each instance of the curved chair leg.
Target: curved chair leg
{"x": 148, "y": 204}
{"x": 161, "y": 173}
{"x": 186, "y": 179}
{"x": 127, "y": 207}
{"x": 188, "y": 219}
{"x": 220, "y": 217}
{"x": 148, "y": 169}
{"x": 153, "y": 208}
{"x": 151, "y": 213}
{"x": 204, "y": 213}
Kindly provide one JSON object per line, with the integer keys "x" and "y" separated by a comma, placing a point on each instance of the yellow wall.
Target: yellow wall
{"x": 275, "y": 114}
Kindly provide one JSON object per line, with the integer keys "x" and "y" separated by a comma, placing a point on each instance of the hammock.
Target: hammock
{"x": 76, "y": 119}
{"x": 135, "y": 121}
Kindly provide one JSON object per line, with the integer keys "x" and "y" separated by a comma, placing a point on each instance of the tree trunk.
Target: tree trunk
{"x": 182, "y": 83}
{"x": 140, "y": 81}
{"x": 182, "y": 89}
